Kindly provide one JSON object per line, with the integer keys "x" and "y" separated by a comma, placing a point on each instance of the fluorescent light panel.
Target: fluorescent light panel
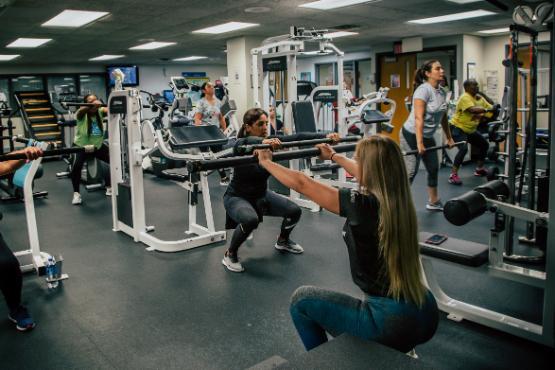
{"x": 333, "y": 4}
{"x": 74, "y": 18}
{"x": 464, "y": 1}
{"x": 337, "y": 34}
{"x": 106, "y": 57}
{"x": 226, "y": 27}
{"x": 27, "y": 43}
{"x": 453, "y": 17}
{"x": 187, "y": 59}
{"x": 152, "y": 45}
{"x": 316, "y": 52}
{"x": 496, "y": 30}
{"x": 6, "y": 57}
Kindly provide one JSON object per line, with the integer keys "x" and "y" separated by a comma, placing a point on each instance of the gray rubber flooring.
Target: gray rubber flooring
{"x": 124, "y": 307}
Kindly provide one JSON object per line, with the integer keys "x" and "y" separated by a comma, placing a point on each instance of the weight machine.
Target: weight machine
{"x": 126, "y": 157}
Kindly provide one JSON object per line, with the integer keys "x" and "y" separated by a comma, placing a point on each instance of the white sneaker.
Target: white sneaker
{"x": 437, "y": 206}
{"x": 412, "y": 353}
{"x": 108, "y": 191}
{"x": 251, "y": 236}
{"x": 76, "y": 199}
{"x": 232, "y": 263}
{"x": 289, "y": 246}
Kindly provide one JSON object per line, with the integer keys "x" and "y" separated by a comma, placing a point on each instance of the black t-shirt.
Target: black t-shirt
{"x": 361, "y": 235}
{"x": 251, "y": 181}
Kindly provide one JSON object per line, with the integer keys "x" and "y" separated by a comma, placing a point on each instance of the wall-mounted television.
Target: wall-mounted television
{"x": 131, "y": 74}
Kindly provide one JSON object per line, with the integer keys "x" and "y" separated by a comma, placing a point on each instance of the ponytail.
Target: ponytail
{"x": 420, "y": 75}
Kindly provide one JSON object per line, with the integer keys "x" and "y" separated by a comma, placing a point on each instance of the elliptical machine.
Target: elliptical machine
{"x": 181, "y": 108}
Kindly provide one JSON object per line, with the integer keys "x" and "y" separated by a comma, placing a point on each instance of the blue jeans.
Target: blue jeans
{"x": 396, "y": 324}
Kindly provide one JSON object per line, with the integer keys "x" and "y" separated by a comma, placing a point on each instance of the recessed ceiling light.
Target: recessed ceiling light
{"x": 226, "y": 27}
{"x": 106, "y": 57}
{"x": 6, "y": 57}
{"x": 27, "y": 43}
{"x": 258, "y": 9}
{"x": 74, "y": 18}
{"x": 334, "y": 35}
{"x": 186, "y": 59}
{"x": 496, "y": 30}
{"x": 333, "y": 4}
{"x": 152, "y": 45}
{"x": 453, "y": 17}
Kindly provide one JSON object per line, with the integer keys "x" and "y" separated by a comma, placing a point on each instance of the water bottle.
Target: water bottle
{"x": 51, "y": 272}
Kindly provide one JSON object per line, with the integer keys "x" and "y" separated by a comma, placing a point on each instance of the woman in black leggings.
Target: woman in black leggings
{"x": 10, "y": 272}
{"x": 247, "y": 197}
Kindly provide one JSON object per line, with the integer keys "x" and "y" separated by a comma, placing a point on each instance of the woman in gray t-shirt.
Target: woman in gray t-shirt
{"x": 429, "y": 110}
{"x": 208, "y": 113}
{"x": 208, "y": 108}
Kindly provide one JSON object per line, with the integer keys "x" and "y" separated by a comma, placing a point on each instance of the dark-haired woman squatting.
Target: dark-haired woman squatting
{"x": 89, "y": 131}
{"x": 247, "y": 198}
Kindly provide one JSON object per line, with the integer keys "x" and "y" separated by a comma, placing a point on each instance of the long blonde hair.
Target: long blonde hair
{"x": 382, "y": 173}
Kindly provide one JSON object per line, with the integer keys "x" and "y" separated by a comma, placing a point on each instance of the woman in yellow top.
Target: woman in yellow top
{"x": 89, "y": 131}
{"x": 471, "y": 107}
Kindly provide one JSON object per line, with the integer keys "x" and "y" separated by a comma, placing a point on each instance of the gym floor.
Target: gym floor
{"x": 124, "y": 307}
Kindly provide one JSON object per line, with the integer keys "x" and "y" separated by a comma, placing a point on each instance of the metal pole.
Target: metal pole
{"x": 548, "y": 326}
{"x": 530, "y": 227}
{"x": 511, "y": 140}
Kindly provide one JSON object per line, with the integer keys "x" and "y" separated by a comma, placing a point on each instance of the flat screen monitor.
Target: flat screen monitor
{"x": 131, "y": 75}
{"x": 168, "y": 96}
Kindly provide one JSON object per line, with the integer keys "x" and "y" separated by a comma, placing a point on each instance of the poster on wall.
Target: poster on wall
{"x": 471, "y": 71}
{"x": 395, "y": 81}
{"x": 195, "y": 78}
{"x": 306, "y": 76}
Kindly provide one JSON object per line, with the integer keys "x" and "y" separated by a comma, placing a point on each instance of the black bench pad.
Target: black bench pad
{"x": 455, "y": 250}
{"x": 196, "y": 137}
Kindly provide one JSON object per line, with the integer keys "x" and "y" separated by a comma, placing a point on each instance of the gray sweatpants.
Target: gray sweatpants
{"x": 431, "y": 160}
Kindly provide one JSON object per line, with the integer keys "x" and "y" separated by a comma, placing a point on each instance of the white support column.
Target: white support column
{"x": 239, "y": 71}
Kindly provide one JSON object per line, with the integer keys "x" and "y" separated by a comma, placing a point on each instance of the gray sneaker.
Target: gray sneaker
{"x": 289, "y": 246}
{"x": 437, "y": 206}
{"x": 231, "y": 262}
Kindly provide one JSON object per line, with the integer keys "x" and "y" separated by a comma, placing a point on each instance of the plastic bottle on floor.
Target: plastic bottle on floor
{"x": 51, "y": 273}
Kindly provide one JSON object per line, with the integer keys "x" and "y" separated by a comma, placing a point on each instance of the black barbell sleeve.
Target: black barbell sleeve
{"x": 72, "y": 104}
{"x": 248, "y": 149}
{"x": 213, "y": 164}
{"x": 45, "y": 153}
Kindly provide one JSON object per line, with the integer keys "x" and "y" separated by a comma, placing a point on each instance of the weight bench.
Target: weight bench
{"x": 187, "y": 137}
{"x": 346, "y": 352}
{"x": 455, "y": 250}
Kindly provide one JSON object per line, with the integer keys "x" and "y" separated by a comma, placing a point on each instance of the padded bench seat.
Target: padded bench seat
{"x": 455, "y": 250}
{"x": 324, "y": 167}
{"x": 346, "y": 352}
{"x": 196, "y": 137}
{"x": 374, "y": 116}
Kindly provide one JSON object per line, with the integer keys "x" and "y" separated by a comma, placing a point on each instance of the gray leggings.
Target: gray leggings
{"x": 431, "y": 161}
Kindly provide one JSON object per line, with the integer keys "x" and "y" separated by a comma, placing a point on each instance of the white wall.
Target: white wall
{"x": 155, "y": 78}
{"x": 309, "y": 64}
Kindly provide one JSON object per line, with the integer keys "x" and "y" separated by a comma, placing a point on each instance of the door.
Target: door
{"x": 397, "y": 73}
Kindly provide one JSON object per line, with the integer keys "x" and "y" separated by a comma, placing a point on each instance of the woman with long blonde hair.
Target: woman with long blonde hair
{"x": 381, "y": 234}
